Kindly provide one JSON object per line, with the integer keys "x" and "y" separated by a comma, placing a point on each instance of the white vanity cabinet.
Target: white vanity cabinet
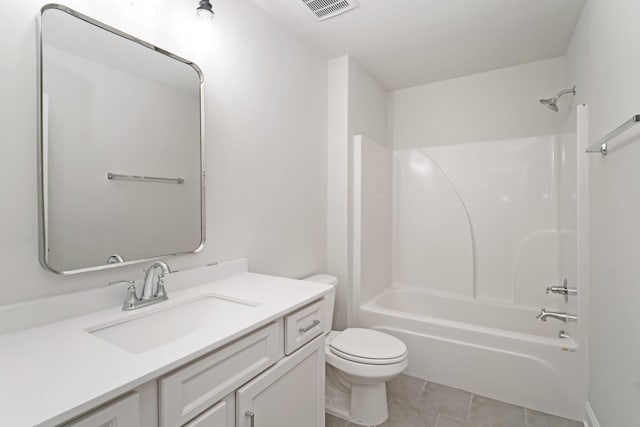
{"x": 250, "y": 382}
{"x": 289, "y": 394}
{"x": 271, "y": 377}
{"x": 194, "y": 388}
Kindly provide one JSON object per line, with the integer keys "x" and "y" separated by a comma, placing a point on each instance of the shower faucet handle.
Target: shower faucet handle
{"x": 564, "y": 289}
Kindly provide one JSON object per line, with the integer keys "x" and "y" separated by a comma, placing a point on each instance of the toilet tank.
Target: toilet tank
{"x": 330, "y": 298}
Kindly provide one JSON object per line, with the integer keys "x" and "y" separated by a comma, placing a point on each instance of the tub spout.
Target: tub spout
{"x": 565, "y": 317}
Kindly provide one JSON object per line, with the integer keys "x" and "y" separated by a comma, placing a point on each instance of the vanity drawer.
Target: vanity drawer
{"x": 124, "y": 412}
{"x": 302, "y": 326}
{"x": 191, "y": 390}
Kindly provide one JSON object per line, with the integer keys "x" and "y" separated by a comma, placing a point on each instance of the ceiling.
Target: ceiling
{"x": 405, "y": 43}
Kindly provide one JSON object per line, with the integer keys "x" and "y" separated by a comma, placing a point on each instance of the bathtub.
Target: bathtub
{"x": 496, "y": 350}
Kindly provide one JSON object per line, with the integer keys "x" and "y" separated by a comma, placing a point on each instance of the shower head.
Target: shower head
{"x": 552, "y": 103}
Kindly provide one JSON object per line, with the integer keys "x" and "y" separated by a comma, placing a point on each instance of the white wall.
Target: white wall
{"x": 604, "y": 65}
{"x": 367, "y": 104}
{"x": 338, "y": 185}
{"x": 498, "y": 104}
{"x": 433, "y": 241}
{"x": 265, "y": 133}
{"x": 356, "y": 106}
{"x": 372, "y": 177}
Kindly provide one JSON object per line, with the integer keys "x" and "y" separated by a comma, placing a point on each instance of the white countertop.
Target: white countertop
{"x": 52, "y": 373}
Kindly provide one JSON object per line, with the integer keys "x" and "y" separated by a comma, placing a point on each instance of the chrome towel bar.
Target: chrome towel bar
{"x": 601, "y": 146}
{"x": 111, "y": 175}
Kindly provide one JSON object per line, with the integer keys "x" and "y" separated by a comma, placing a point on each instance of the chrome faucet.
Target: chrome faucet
{"x": 148, "y": 290}
{"x": 565, "y": 317}
{"x": 150, "y": 294}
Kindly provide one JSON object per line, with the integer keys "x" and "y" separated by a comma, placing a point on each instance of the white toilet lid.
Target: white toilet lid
{"x": 368, "y": 346}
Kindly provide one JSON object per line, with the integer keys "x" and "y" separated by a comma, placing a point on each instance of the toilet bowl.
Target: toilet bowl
{"x": 359, "y": 362}
{"x": 363, "y": 360}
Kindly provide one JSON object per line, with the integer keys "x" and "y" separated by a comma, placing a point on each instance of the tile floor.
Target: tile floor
{"x": 417, "y": 403}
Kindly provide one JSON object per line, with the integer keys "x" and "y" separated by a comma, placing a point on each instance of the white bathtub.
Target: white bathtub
{"x": 495, "y": 350}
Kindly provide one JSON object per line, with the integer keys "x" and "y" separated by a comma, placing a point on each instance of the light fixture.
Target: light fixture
{"x": 205, "y": 10}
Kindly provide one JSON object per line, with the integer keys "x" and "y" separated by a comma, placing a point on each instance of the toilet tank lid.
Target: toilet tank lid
{"x": 325, "y": 279}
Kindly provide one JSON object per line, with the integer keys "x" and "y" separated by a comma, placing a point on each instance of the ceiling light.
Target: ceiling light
{"x": 205, "y": 10}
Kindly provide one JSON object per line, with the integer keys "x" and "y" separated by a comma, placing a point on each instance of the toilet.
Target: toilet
{"x": 359, "y": 362}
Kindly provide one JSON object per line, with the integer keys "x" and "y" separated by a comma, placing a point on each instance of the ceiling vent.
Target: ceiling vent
{"x": 325, "y": 9}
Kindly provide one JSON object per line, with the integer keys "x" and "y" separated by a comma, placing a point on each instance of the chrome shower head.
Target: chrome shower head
{"x": 552, "y": 103}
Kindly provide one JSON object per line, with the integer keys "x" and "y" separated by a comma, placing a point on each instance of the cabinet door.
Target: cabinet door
{"x": 222, "y": 414}
{"x": 123, "y": 412}
{"x": 290, "y": 394}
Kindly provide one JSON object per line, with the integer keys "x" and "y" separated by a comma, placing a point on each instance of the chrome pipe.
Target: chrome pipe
{"x": 602, "y": 145}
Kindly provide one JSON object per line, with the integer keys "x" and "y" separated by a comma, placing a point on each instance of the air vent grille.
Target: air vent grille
{"x": 325, "y": 9}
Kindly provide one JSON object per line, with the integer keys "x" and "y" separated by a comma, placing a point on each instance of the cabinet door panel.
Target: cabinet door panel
{"x": 289, "y": 394}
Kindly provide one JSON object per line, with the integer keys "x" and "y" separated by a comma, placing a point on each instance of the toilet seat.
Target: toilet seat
{"x": 368, "y": 347}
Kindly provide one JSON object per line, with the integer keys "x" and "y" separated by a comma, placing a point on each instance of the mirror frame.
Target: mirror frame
{"x": 42, "y": 224}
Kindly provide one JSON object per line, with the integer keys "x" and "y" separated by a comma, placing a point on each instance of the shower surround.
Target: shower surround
{"x": 453, "y": 247}
{"x": 494, "y": 221}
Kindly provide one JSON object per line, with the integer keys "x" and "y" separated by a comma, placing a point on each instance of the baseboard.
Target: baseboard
{"x": 591, "y": 421}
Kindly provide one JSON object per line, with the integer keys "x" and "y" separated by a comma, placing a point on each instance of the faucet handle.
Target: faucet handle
{"x": 161, "y": 291}
{"x": 132, "y": 296}
{"x": 119, "y": 282}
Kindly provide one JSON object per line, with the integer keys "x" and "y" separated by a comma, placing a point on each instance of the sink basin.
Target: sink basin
{"x": 150, "y": 330}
